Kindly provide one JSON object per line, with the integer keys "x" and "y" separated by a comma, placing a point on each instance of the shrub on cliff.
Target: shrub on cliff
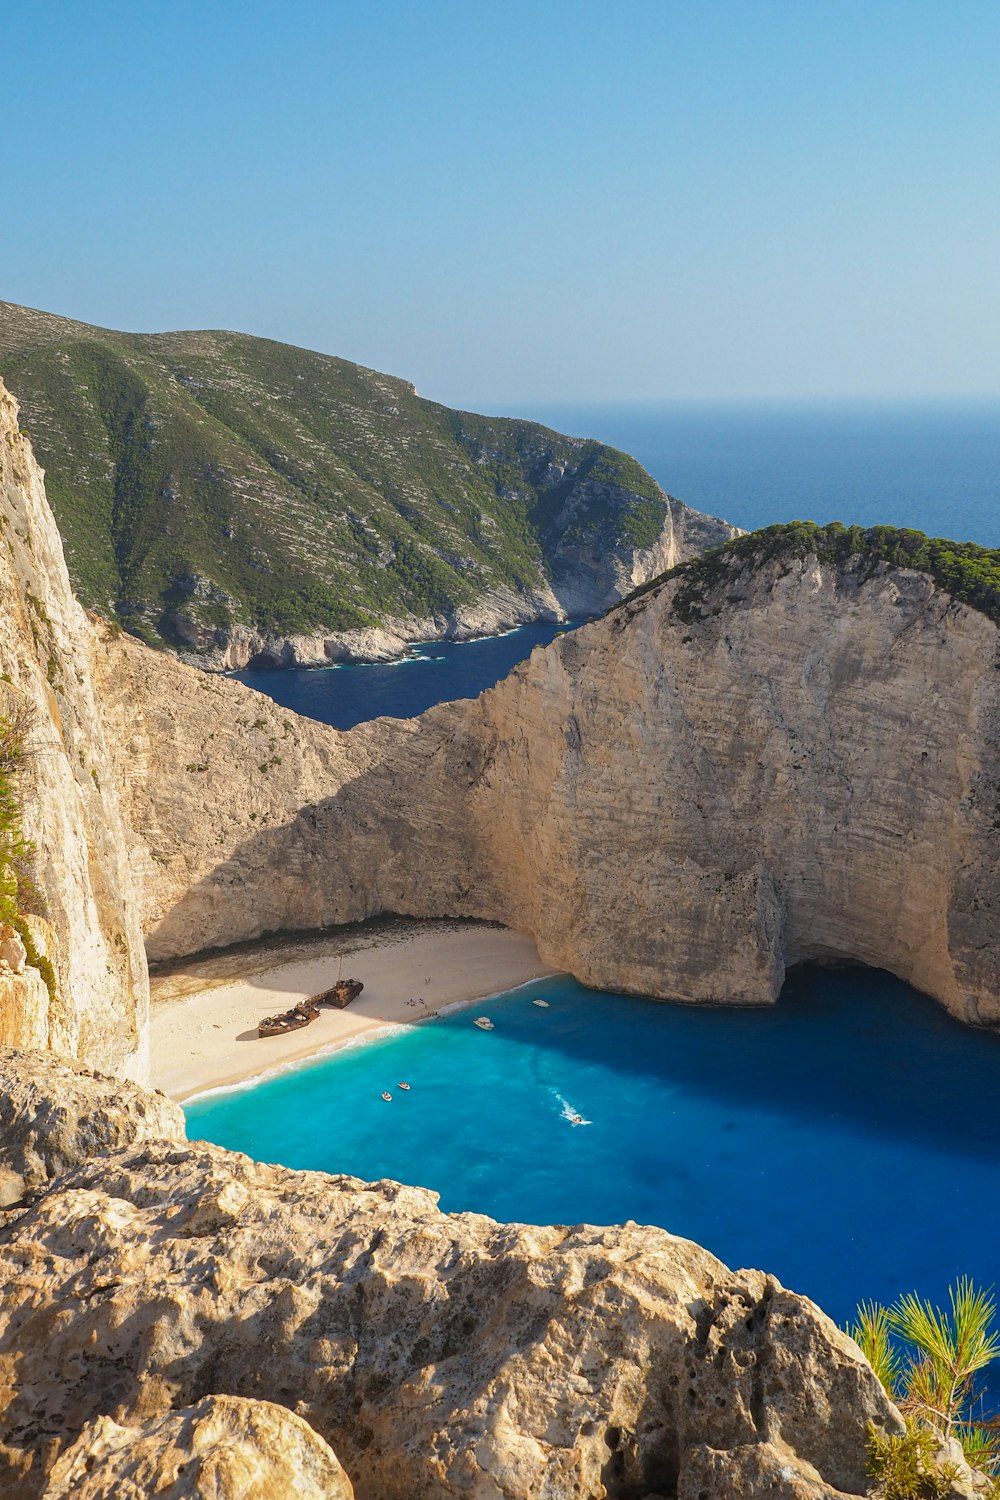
{"x": 16, "y": 852}
{"x": 929, "y": 1359}
{"x": 18, "y": 891}
{"x": 967, "y": 571}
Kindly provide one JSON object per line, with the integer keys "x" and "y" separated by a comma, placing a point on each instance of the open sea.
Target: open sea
{"x": 848, "y": 1139}
{"x": 931, "y": 465}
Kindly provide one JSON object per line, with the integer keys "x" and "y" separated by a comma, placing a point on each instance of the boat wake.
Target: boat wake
{"x": 568, "y": 1112}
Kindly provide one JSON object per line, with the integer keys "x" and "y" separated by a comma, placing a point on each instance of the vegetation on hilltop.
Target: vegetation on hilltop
{"x": 967, "y": 571}
{"x": 213, "y": 477}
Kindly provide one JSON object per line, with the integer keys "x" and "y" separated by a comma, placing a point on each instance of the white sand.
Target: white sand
{"x": 209, "y": 1038}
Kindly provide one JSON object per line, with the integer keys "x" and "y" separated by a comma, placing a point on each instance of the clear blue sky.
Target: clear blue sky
{"x": 523, "y": 201}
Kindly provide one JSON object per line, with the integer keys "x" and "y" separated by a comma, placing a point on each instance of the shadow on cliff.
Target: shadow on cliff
{"x": 394, "y": 840}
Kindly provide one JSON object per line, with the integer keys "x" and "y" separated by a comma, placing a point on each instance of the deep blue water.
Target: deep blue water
{"x": 847, "y": 1140}
{"x": 436, "y": 670}
{"x": 934, "y": 466}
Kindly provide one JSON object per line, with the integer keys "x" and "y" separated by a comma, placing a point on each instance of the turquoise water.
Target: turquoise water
{"x": 847, "y": 1140}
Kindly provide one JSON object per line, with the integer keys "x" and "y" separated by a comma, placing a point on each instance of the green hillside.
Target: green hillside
{"x": 213, "y": 477}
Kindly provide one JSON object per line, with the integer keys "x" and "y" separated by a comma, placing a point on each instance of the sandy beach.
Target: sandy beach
{"x": 203, "y": 1031}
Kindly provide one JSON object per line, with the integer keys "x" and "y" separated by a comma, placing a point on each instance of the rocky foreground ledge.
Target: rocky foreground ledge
{"x": 178, "y": 1319}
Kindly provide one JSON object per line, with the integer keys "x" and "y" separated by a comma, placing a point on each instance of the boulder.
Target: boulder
{"x": 55, "y": 1114}
{"x": 12, "y": 951}
{"x": 224, "y": 1448}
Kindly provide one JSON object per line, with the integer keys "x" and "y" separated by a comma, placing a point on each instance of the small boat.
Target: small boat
{"x": 405, "y": 1086}
{"x": 386, "y": 1096}
{"x": 484, "y": 1023}
{"x": 543, "y": 1003}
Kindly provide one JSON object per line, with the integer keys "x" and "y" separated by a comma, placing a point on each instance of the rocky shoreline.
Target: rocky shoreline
{"x": 586, "y": 586}
{"x": 235, "y": 647}
{"x": 149, "y": 1286}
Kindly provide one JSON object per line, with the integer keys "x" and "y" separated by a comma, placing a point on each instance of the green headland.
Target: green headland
{"x": 208, "y": 478}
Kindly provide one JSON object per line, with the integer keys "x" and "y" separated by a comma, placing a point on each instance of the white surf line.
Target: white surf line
{"x": 297, "y": 1064}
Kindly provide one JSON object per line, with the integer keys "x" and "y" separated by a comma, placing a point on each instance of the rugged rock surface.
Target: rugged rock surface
{"x": 70, "y": 807}
{"x": 55, "y": 1114}
{"x": 24, "y": 1009}
{"x": 203, "y": 767}
{"x": 679, "y": 803}
{"x": 224, "y": 1448}
{"x": 437, "y": 1355}
{"x": 752, "y": 1471}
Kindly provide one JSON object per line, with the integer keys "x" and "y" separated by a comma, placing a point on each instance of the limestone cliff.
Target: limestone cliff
{"x": 676, "y": 801}
{"x": 70, "y": 807}
{"x": 438, "y": 1355}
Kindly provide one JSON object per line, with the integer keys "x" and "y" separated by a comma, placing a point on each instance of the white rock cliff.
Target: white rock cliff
{"x": 70, "y": 806}
{"x": 676, "y": 807}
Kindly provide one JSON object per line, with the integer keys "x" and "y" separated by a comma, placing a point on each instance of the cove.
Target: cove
{"x": 433, "y": 672}
{"x": 846, "y": 1140}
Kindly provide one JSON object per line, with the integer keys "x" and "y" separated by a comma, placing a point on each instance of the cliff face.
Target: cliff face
{"x": 676, "y": 802}
{"x": 70, "y": 808}
{"x": 156, "y": 1298}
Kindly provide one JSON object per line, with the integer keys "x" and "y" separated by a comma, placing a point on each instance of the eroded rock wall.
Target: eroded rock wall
{"x": 70, "y": 806}
{"x": 808, "y": 769}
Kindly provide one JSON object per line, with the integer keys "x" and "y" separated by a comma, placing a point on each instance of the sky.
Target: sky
{"x": 523, "y": 202}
